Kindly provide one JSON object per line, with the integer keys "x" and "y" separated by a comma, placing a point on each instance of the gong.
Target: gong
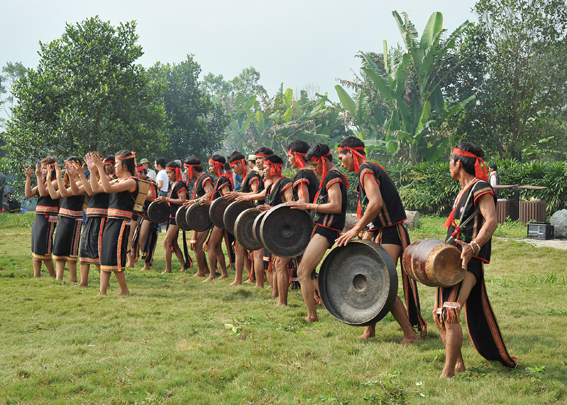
{"x": 243, "y": 229}
{"x": 233, "y": 211}
{"x": 181, "y": 219}
{"x": 158, "y": 212}
{"x": 358, "y": 283}
{"x": 286, "y": 232}
{"x": 256, "y": 229}
{"x": 197, "y": 217}
{"x": 216, "y": 211}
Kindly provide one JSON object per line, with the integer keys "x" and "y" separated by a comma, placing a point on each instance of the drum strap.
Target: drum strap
{"x": 459, "y": 227}
{"x": 188, "y": 261}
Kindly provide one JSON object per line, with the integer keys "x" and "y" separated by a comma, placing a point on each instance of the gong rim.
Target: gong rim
{"x": 216, "y": 211}
{"x": 197, "y": 217}
{"x": 158, "y": 212}
{"x": 285, "y": 232}
{"x": 243, "y": 229}
{"x": 358, "y": 283}
{"x": 256, "y": 228}
{"x": 232, "y": 212}
{"x": 181, "y": 219}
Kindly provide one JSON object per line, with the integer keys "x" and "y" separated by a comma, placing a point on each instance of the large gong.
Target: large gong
{"x": 243, "y": 229}
{"x": 285, "y": 232}
{"x": 197, "y": 217}
{"x": 233, "y": 211}
{"x": 158, "y": 212}
{"x": 358, "y": 283}
{"x": 181, "y": 219}
{"x": 216, "y": 211}
{"x": 256, "y": 228}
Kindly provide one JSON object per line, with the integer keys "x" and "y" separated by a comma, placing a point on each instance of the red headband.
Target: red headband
{"x": 177, "y": 170}
{"x": 261, "y": 155}
{"x": 244, "y": 165}
{"x": 321, "y": 160}
{"x": 190, "y": 170}
{"x": 132, "y": 156}
{"x": 356, "y": 153}
{"x": 479, "y": 172}
{"x": 275, "y": 168}
{"x": 299, "y": 158}
{"x": 109, "y": 160}
{"x": 218, "y": 165}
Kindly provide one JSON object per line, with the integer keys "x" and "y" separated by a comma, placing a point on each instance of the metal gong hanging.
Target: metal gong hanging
{"x": 233, "y": 211}
{"x": 216, "y": 211}
{"x": 197, "y": 217}
{"x": 243, "y": 228}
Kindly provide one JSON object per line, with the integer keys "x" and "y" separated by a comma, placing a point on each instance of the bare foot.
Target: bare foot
{"x": 166, "y": 271}
{"x": 235, "y": 283}
{"x": 73, "y": 281}
{"x": 311, "y": 320}
{"x": 81, "y": 285}
{"x": 447, "y": 374}
{"x": 182, "y": 270}
{"x": 101, "y": 294}
{"x": 199, "y": 274}
{"x": 127, "y": 292}
{"x": 224, "y": 276}
{"x": 208, "y": 279}
{"x": 408, "y": 341}
{"x": 460, "y": 367}
{"x": 367, "y": 335}
{"x": 281, "y": 304}
{"x": 129, "y": 264}
{"x": 249, "y": 281}
{"x": 258, "y": 286}
{"x": 146, "y": 268}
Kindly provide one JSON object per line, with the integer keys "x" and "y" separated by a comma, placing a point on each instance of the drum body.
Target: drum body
{"x": 256, "y": 229}
{"x": 286, "y": 232}
{"x": 143, "y": 188}
{"x": 216, "y": 211}
{"x": 233, "y": 211}
{"x": 158, "y": 212}
{"x": 358, "y": 283}
{"x": 433, "y": 263}
{"x": 197, "y": 217}
{"x": 243, "y": 227}
{"x": 181, "y": 219}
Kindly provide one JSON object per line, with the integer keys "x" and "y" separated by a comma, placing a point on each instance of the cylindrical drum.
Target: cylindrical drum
{"x": 180, "y": 219}
{"x": 433, "y": 263}
{"x": 158, "y": 212}
{"x": 286, "y": 232}
{"x": 233, "y": 211}
{"x": 243, "y": 229}
{"x": 216, "y": 211}
{"x": 358, "y": 283}
{"x": 197, "y": 217}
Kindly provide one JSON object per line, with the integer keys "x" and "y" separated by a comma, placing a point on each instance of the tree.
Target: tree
{"x": 12, "y": 73}
{"x": 196, "y": 122}
{"x": 87, "y": 94}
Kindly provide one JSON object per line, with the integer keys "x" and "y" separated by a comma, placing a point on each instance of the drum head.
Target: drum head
{"x": 243, "y": 229}
{"x": 256, "y": 228}
{"x": 216, "y": 211}
{"x": 158, "y": 212}
{"x": 358, "y": 283}
{"x": 286, "y": 232}
{"x": 197, "y": 217}
{"x": 233, "y": 211}
{"x": 180, "y": 219}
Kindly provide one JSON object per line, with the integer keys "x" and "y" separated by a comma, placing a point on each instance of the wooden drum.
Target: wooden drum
{"x": 433, "y": 263}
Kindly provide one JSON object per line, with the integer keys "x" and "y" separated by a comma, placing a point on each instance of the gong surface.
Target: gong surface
{"x": 197, "y": 217}
{"x": 285, "y": 232}
{"x": 233, "y": 211}
{"x": 158, "y": 212}
{"x": 180, "y": 219}
{"x": 256, "y": 228}
{"x": 358, "y": 283}
{"x": 243, "y": 229}
{"x": 216, "y": 211}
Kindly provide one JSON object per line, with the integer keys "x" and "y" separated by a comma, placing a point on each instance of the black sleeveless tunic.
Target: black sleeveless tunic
{"x": 199, "y": 186}
{"x": 121, "y": 205}
{"x": 72, "y": 207}
{"x": 47, "y": 205}
{"x": 221, "y": 184}
{"x": 332, "y": 221}
{"x": 275, "y": 192}
{"x": 174, "y": 193}
{"x": 310, "y": 179}
{"x": 246, "y": 187}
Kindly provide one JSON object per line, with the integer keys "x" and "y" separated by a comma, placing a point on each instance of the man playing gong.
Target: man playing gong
{"x": 476, "y": 200}
{"x": 381, "y": 214}
{"x": 330, "y": 213}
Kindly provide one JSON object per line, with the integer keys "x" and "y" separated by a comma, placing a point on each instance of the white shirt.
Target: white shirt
{"x": 162, "y": 175}
{"x": 152, "y": 174}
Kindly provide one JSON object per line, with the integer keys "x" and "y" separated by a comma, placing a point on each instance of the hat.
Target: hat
{"x": 251, "y": 157}
{"x": 144, "y": 160}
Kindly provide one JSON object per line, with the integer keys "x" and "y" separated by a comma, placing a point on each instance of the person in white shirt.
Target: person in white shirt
{"x": 161, "y": 178}
{"x": 150, "y": 172}
{"x": 494, "y": 178}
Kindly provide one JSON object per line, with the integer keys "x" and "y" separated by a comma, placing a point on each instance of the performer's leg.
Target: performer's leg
{"x": 220, "y": 258}
{"x": 178, "y": 251}
{"x": 454, "y": 334}
{"x": 239, "y": 263}
{"x": 48, "y": 265}
{"x": 84, "y": 269}
{"x": 59, "y": 269}
{"x": 144, "y": 235}
{"x": 131, "y": 256}
{"x": 212, "y": 249}
{"x": 72, "y": 271}
{"x": 202, "y": 268}
{"x": 248, "y": 265}
{"x": 104, "y": 279}
{"x": 167, "y": 245}
{"x": 311, "y": 258}
{"x": 282, "y": 274}
{"x": 259, "y": 267}
{"x": 121, "y": 277}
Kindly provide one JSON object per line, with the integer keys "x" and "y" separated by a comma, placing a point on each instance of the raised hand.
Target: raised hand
{"x": 38, "y": 170}
{"x": 28, "y": 171}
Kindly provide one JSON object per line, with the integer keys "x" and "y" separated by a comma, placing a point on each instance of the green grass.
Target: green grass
{"x": 176, "y": 340}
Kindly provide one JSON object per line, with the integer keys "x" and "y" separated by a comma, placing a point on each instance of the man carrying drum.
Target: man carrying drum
{"x": 330, "y": 214}
{"x": 476, "y": 200}
{"x": 381, "y": 213}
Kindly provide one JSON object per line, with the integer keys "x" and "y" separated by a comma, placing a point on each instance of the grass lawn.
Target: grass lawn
{"x": 176, "y": 340}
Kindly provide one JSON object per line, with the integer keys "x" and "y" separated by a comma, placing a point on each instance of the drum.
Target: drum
{"x": 256, "y": 228}
{"x": 158, "y": 212}
{"x": 143, "y": 188}
{"x": 358, "y": 283}
{"x": 233, "y": 211}
{"x": 216, "y": 211}
{"x": 433, "y": 263}
{"x": 181, "y": 219}
{"x": 197, "y": 217}
{"x": 286, "y": 232}
{"x": 243, "y": 229}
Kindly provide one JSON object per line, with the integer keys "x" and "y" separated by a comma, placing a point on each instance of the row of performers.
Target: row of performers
{"x": 381, "y": 215}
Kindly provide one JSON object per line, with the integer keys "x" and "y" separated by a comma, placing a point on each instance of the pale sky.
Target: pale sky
{"x": 294, "y": 42}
